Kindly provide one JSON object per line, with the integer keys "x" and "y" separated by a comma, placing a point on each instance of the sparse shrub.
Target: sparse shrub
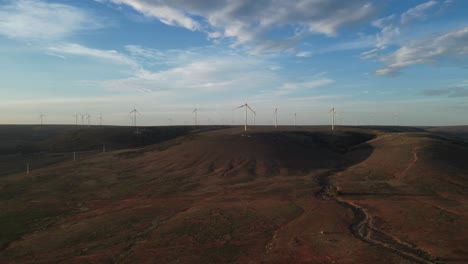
{"x": 330, "y": 191}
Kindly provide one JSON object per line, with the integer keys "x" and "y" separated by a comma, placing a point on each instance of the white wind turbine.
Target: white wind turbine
{"x": 88, "y": 118}
{"x": 276, "y": 116}
{"x": 100, "y": 119}
{"x": 247, "y": 107}
{"x": 82, "y": 118}
{"x": 333, "y": 111}
{"x": 396, "y": 119}
{"x": 76, "y": 118}
{"x": 195, "y": 119}
{"x": 41, "y": 116}
{"x": 295, "y": 117}
{"x": 134, "y": 112}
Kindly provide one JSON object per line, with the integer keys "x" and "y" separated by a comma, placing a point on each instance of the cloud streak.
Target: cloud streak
{"x": 417, "y": 12}
{"x": 249, "y": 23}
{"x": 426, "y": 51}
{"x": 35, "y": 20}
{"x": 80, "y": 50}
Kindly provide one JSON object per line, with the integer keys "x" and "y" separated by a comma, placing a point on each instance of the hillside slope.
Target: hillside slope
{"x": 225, "y": 196}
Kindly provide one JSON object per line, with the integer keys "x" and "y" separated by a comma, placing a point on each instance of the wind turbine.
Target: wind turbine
{"x": 134, "y": 112}
{"x": 333, "y": 111}
{"x": 396, "y": 119}
{"x": 100, "y": 119}
{"x": 82, "y": 119}
{"x": 247, "y": 107}
{"x": 76, "y": 118}
{"x": 195, "y": 111}
{"x": 295, "y": 115}
{"x": 276, "y": 117}
{"x": 88, "y": 118}
{"x": 41, "y": 116}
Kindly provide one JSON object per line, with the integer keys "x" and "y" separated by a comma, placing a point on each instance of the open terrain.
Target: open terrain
{"x": 222, "y": 195}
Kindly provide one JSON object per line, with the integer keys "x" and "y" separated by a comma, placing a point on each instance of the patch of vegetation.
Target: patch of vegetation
{"x": 330, "y": 191}
{"x": 15, "y": 224}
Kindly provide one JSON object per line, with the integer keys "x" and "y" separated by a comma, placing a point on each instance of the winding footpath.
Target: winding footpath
{"x": 411, "y": 164}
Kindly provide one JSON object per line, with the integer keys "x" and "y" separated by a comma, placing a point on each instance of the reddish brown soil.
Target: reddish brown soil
{"x": 232, "y": 197}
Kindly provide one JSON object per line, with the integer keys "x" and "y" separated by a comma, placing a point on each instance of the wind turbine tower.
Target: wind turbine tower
{"x": 195, "y": 111}
{"x": 76, "y": 118}
{"x": 42, "y": 118}
{"x": 135, "y": 112}
{"x": 88, "y": 118}
{"x": 396, "y": 119}
{"x": 295, "y": 116}
{"x": 276, "y": 117}
{"x": 333, "y": 112}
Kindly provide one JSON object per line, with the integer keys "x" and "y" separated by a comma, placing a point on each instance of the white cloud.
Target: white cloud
{"x": 249, "y": 22}
{"x": 79, "y": 50}
{"x": 456, "y": 90}
{"x": 213, "y": 73}
{"x": 192, "y": 71}
{"x": 165, "y": 13}
{"x": 426, "y": 51}
{"x": 288, "y": 88}
{"x": 423, "y": 51}
{"x": 39, "y": 20}
{"x": 417, "y": 12}
{"x": 304, "y": 54}
{"x": 388, "y": 32}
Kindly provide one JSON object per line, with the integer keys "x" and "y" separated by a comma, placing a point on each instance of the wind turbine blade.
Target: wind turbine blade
{"x": 250, "y": 108}
{"x": 239, "y": 107}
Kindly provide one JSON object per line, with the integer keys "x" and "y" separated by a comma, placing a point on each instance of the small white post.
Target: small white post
{"x": 103, "y": 148}
{"x": 74, "y": 156}
{"x": 27, "y": 168}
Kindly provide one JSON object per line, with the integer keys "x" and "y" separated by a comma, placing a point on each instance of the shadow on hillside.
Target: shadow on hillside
{"x": 268, "y": 154}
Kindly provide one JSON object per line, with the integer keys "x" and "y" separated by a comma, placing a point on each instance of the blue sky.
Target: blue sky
{"x": 377, "y": 62}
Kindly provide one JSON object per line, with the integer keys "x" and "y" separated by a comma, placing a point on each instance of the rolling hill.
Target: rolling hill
{"x": 286, "y": 195}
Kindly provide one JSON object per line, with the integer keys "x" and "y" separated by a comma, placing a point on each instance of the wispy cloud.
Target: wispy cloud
{"x": 74, "y": 49}
{"x": 426, "y": 51}
{"x": 458, "y": 90}
{"x": 288, "y": 88}
{"x": 43, "y": 21}
{"x": 417, "y": 12}
{"x": 250, "y": 22}
{"x": 216, "y": 72}
{"x": 208, "y": 70}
